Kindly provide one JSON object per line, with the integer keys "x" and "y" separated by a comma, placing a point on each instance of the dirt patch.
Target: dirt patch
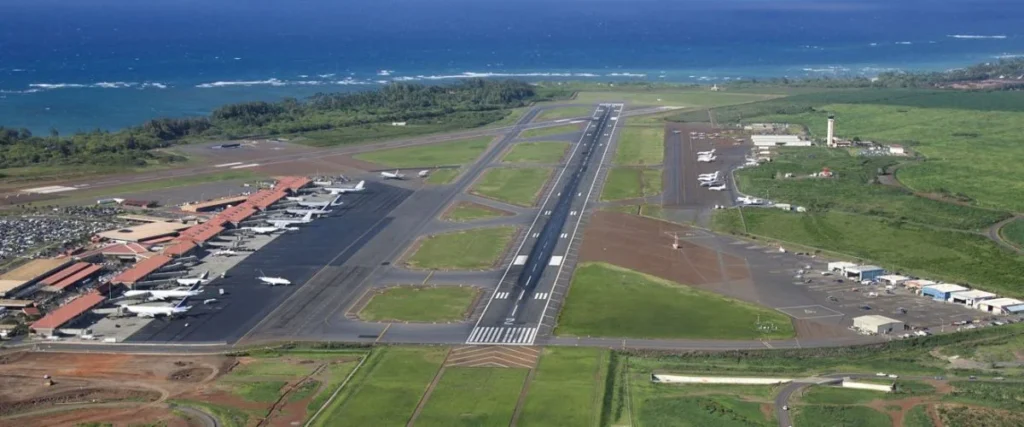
{"x": 191, "y": 375}
{"x": 78, "y": 396}
{"x": 767, "y": 410}
{"x": 810, "y": 329}
{"x": 645, "y": 245}
{"x": 161, "y": 416}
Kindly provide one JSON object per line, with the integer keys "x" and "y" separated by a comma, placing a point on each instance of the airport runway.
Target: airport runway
{"x": 316, "y": 251}
{"x": 516, "y": 309}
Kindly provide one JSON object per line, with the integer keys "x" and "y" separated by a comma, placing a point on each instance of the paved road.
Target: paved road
{"x": 515, "y": 311}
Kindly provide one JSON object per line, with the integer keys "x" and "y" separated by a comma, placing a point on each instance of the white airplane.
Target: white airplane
{"x": 719, "y": 187}
{"x": 350, "y": 189}
{"x": 707, "y": 178}
{"x": 316, "y": 212}
{"x": 710, "y": 183}
{"x": 224, "y": 252}
{"x": 195, "y": 281}
{"x": 707, "y": 159}
{"x": 295, "y": 199}
{"x": 314, "y": 204}
{"x": 392, "y": 175}
{"x": 284, "y": 222}
{"x": 154, "y": 311}
{"x": 747, "y": 200}
{"x": 706, "y": 153}
{"x": 264, "y": 230}
{"x": 273, "y": 281}
{"x": 161, "y": 295}
{"x": 708, "y": 175}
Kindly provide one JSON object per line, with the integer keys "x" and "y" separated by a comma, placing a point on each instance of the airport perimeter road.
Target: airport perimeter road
{"x": 317, "y": 310}
{"x": 516, "y": 309}
{"x": 113, "y": 181}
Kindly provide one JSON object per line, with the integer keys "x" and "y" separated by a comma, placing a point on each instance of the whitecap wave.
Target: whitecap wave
{"x": 1009, "y": 55}
{"x": 385, "y": 73}
{"x": 904, "y": 43}
{"x": 278, "y": 82}
{"x": 268, "y": 82}
{"x": 975, "y": 36}
{"x": 627, "y": 75}
{"x": 474, "y": 74}
{"x": 98, "y": 85}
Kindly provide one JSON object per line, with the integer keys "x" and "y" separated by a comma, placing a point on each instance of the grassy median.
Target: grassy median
{"x": 476, "y": 249}
{"x": 420, "y": 304}
{"x": 518, "y": 186}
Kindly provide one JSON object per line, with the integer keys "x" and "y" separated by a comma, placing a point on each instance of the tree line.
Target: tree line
{"x": 1012, "y": 69}
{"x": 134, "y": 146}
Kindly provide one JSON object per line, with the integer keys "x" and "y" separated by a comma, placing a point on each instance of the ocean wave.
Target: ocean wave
{"x": 626, "y": 75}
{"x": 975, "y": 36}
{"x": 385, "y": 73}
{"x": 279, "y": 82}
{"x": 1009, "y": 55}
{"x": 904, "y": 43}
{"x": 473, "y": 75}
{"x": 97, "y": 85}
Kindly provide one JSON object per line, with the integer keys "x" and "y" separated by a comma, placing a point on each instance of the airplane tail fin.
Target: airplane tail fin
{"x": 195, "y": 287}
{"x": 181, "y": 304}
{"x": 205, "y": 275}
{"x": 360, "y": 185}
{"x": 308, "y": 217}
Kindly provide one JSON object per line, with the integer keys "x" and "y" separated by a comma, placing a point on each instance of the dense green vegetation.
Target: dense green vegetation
{"x": 567, "y": 388}
{"x": 918, "y": 417}
{"x": 474, "y": 249}
{"x": 629, "y": 183}
{"x": 697, "y": 96}
{"x": 854, "y": 188}
{"x": 467, "y": 211}
{"x": 921, "y": 250}
{"x": 536, "y": 152}
{"x": 967, "y": 416}
{"x": 473, "y": 397}
{"x": 1013, "y": 232}
{"x": 994, "y": 395}
{"x": 518, "y": 186}
{"x": 456, "y": 152}
{"x": 467, "y": 104}
{"x": 386, "y": 389}
{"x": 418, "y": 304}
{"x": 899, "y": 79}
{"x": 608, "y": 301}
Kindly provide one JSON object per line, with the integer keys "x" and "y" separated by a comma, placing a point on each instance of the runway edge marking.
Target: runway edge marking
{"x": 554, "y": 188}
{"x": 579, "y": 219}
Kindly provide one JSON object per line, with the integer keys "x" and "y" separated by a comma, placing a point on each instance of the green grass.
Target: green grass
{"x": 442, "y": 176}
{"x": 518, "y": 186}
{"x": 1013, "y": 232}
{"x": 549, "y": 131}
{"x": 304, "y": 390}
{"x": 269, "y": 367}
{"x": 917, "y": 417}
{"x": 468, "y": 211}
{"x": 336, "y": 374}
{"x": 386, "y": 389}
{"x": 473, "y": 397}
{"x": 536, "y": 152}
{"x": 567, "y": 388}
{"x": 81, "y": 196}
{"x": 840, "y": 396}
{"x": 701, "y": 411}
{"x": 997, "y": 395}
{"x": 965, "y": 416}
{"x": 416, "y": 304}
{"x": 640, "y": 146}
{"x": 629, "y": 183}
{"x": 609, "y": 301}
{"x": 840, "y": 416}
{"x": 443, "y": 153}
{"x": 563, "y": 113}
{"x": 969, "y": 152}
{"x": 226, "y": 416}
{"x": 258, "y": 391}
{"x": 464, "y": 250}
{"x": 510, "y": 118}
{"x": 362, "y": 134}
{"x": 701, "y": 97}
{"x": 936, "y": 254}
{"x": 853, "y": 189}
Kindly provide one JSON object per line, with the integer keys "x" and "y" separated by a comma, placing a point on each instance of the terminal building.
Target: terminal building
{"x": 29, "y": 274}
{"x": 779, "y": 141}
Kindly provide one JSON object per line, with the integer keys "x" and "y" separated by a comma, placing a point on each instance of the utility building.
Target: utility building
{"x": 876, "y": 324}
{"x": 893, "y": 279}
{"x": 971, "y": 298}
{"x": 941, "y": 291}
{"x": 1002, "y": 306}
{"x": 840, "y": 266}
{"x": 779, "y": 141}
{"x": 864, "y": 272}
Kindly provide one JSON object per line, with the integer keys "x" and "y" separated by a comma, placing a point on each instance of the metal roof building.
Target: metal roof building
{"x": 74, "y": 279}
{"x": 214, "y": 204}
{"x": 893, "y": 279}
{"x": 840, "y": 266}
{"x": 140, "y": 270}
{"x": 1002, "y": 306}
{"x": 864, "y": 272}
{"x": 971, "y": 298}
{"x": 30, "y": 273}
{"x": 67, "y": 312}
{"x": 779, "y": 141}
{"x": 942, "y": 291}
{"x": 876, "y": 324}
{"x": 143, "y": 231}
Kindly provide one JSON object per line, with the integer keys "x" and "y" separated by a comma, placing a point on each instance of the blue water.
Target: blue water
{"x": 85, "y": 64}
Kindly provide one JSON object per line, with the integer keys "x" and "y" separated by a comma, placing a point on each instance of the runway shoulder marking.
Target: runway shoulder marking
{"x": 502, "y": 335}
{"x": 520, "y": 260}
{"x": 501, "y": 295}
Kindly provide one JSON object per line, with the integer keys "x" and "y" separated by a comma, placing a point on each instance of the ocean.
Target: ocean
{"x": 86, "y": 64}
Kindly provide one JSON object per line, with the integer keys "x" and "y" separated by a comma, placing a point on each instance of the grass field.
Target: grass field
{"x": 967, "y": 416}
{"x": 468, "y": 211}
{"x": 549, "y": 131}
{"x": 842, "y": 396}
{"x": 443, "y": 176}
{"x": 840, "y": 416}
{"x": 536, "y": 152}
{"x": 226, "y": 416}
{"x": 640, "y": 146}
{"x": 969, "y": 152}
{"x": 518, "y": 186}
{"x": 853, "y": 189}
{"x": 259, "y": 391}
{"x": 993, "y": 395}
{"x": 336, "y": 374}
{"x": 936, "y": 254}
{"x": 1013, "y": 232}
{"x": 90, "y": 196}
{"x": 416, "y": 304}
{"x": 464, "y": 250}
{"x": 629, "y": 183}
{"x": 443, "y": 153}
{"x": 608, "y": 301}
{"x": 567, "y": 389}
{"x": 510, "y": 118}
{"x": 675, "y": 97}
{"x": 917, "y": 417}
{"x": 700, "y": 411}
{"x": 473, "y": 397}
{"x": 563, "y": 113}
{"x": 386, "y": 389}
